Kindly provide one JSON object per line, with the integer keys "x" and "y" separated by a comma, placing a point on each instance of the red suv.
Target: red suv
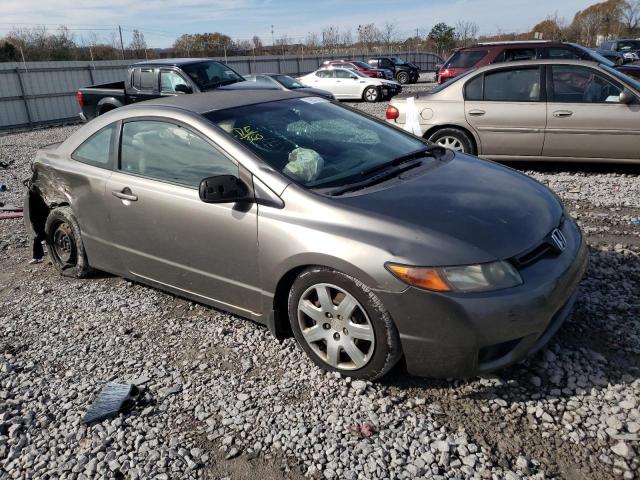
{"x": 363, "y": 67}
{"x": 483, "y": 54}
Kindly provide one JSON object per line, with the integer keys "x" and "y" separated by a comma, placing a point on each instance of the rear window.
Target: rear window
{"x": 147, "y": 79}
{"x": 517, "y": 85}
{"x": 465, "y": 59}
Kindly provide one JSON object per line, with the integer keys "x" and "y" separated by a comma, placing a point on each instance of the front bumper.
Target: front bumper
{"x": 463, "y": 335}
{"x": 389, "y": 91}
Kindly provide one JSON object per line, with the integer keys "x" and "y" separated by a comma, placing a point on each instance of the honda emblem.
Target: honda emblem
{"x": 558, "y": 239}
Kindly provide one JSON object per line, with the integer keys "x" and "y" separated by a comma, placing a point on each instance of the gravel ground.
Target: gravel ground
{"x": 223, "y": 399}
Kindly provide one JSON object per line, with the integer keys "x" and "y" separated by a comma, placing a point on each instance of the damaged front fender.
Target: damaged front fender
{"x": 35, "y": 213}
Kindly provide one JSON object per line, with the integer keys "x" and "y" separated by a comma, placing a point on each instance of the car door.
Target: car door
{"x": 169, "y": 80}
{"x": 507, "y": 110}
{"x": 325, "y": 79}
{"x": 144, "y": 85}
{"x": 585, "y": 117}
{"x": 89, "y": 175}
{"x": 347, "y": 84}
{"x": 164, "y": 233}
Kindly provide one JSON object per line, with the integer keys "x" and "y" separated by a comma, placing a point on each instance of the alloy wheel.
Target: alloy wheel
{"x": 371, "y": 94}
{"x": 452, "y": 143}
{"x": 336, "y": 327}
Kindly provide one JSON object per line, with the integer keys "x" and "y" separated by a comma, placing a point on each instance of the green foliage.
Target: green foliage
{"x": 443, "y": 36}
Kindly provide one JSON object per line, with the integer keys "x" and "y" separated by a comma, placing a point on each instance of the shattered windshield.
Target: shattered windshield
{"x": 313, "y": 141}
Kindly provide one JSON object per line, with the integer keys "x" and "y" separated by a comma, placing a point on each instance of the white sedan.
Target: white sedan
{"x": 346, "y": 84}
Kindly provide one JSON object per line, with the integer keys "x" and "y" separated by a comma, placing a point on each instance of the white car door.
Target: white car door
{"x": 321, "y": 79}
{"x": 348, "y": 84}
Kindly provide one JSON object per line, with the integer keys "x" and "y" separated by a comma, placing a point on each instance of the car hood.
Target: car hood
{"x": 247, "y": 85}
{"x": 628, "y": 68}
{"x": 315, "y": 91}
{"x": 462, "y": 211}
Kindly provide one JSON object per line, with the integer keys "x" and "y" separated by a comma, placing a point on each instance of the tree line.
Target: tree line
{"x": 607, "y": 19}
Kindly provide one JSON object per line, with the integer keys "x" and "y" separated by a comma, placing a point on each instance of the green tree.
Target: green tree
{"x": 443, "y": 36}
{"x": 8, "y": 52}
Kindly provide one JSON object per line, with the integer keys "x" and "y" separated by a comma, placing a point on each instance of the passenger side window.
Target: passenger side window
{"x": 97, "y": 149}
{"x": 517, "y": 54}
{"x": 519, "y": 85}
{"x": 169, "y": 80}
{"x": 264, "y": 80}
{"x": 386, "y": 63}
{"x": 473, "y": 89}
{"x": 170, "y": 153}
{"x": 343, "y": 74}
{"x": 574, "y": 84}
{"x": 147, "y": 78}
{"x": 324, "y": 74}
{"x": 559, "y": 53}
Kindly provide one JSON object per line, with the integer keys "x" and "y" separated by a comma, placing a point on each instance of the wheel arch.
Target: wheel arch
{"x": 472, "y": 135}
{"x": 279, "y": 323}
{"x": 36, "y": 212}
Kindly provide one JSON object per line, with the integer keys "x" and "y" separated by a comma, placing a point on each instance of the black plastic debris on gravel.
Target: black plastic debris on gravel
{"x": 113, "y": 399}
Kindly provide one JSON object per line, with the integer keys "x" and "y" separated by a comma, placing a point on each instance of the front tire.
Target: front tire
{"x": 342, "y": 325}
{"x": 371, "y": 94}
{"x": 65, "y": 243}
{"x": 453, "y": 139}
{"x": 402, "y": 77}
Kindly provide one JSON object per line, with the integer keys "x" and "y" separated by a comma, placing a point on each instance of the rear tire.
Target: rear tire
{"x": 402, "y": 77}
{"x": 371, "y": 94}
{"x": 342, "y": 325}
{"x": 65, "y": 243}
{"x": 453, "y": 139}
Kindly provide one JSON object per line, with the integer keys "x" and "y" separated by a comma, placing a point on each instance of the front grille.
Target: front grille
{"x": 543, "y": 249}
{"x": 532, "y": 255}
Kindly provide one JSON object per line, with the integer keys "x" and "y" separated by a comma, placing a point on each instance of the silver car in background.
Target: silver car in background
{"x": 559, "y": 110}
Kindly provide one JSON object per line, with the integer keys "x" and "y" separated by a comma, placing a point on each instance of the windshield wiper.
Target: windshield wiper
{"x": 423, "y": 152}
{"x": 390, "y": 172}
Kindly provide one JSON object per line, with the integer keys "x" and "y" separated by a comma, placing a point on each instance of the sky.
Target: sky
{"x": 162, "y": 21}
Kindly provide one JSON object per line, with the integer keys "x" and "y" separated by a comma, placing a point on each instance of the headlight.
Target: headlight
{"x": 468, "y": 278}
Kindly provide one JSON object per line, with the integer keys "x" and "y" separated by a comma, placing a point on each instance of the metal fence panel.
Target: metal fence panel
{"x": 41, "y": 93}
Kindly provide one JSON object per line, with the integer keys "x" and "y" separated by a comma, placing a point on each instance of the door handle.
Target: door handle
{"x": 562, "y": 113}
{"x": 476, "y": 113}
{"x": 125, "y": 194}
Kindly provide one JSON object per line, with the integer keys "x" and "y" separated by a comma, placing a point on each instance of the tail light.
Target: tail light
{"x": 79, "y": 98}
{"x": 392, "y": 113}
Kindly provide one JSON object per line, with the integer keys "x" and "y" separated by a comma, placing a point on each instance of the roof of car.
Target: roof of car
{"x": 530, "y": 63}
{"x": 174, "y": 61}
{"x": 513, "y": 43}
{"x": 222, "y": 99}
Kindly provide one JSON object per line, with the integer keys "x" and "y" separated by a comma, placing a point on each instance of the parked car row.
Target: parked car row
{"x": 347, "y": 79}
{"x": 503, "y": 52}
{"x": 621, "y": 50}
{"x": 566, "y": 110}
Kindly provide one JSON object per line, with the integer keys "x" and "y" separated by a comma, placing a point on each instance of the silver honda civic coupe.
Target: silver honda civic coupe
{"x": 366, "y": 243}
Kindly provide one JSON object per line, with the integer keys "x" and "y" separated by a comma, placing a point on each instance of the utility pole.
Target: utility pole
{"x": 273, "y": 41}
{"x": 121, "y": 43}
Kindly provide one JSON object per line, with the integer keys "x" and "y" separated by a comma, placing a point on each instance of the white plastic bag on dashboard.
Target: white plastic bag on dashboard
{"x": 412, "y": 123}
{"x": 304, "y": 163}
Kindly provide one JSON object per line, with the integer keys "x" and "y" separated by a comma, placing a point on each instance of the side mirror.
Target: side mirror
{"x": 182, "y": 88}
{"x": 627, "y": 96}
{"x": 438, "y": 66}
{"x": 223, "y": 189}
